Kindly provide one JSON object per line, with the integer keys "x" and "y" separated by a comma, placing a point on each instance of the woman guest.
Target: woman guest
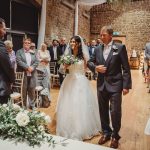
{"x": 12, "y": 56}
{"x": 44, "y": 59}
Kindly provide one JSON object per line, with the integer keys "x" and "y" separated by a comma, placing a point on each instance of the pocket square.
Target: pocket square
{"x": 115, "y": 53}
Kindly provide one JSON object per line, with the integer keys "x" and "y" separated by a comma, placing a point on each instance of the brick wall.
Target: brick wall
{"x": 60, "y": 20}
{"x": 129, "y": 18}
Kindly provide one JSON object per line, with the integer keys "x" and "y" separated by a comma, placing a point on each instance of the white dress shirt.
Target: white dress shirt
{"x": 55, "y": 52}
{"x": 107, "y": 49}
{"x": 28, "y": 59}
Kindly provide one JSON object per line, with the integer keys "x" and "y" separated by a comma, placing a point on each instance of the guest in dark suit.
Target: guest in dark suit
{"x": 62, "y": 48}
{"x": 91, "y": 51}
{"x": 27, "y": 63}
{"x": 114, "y": 78}
{"x": 92, "y": 47}
{"x": 7, "y": 75}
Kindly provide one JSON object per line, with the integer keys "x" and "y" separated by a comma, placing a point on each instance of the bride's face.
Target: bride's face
{"x": 72, "y": 43}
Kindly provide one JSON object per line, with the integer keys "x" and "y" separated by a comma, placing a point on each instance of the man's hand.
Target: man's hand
{"x": 101, "y": 69}
{"x": 30, "y": 69}
{"x": 125, "y": 91}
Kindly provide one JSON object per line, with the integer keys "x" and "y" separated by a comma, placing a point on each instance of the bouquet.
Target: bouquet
{"x": 21, "y": 125}
{"x": 68, "y": 59}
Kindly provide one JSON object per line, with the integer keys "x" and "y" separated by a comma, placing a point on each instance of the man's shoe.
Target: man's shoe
{"x": 114, "y": 143}
{"x": 103, "y": 139}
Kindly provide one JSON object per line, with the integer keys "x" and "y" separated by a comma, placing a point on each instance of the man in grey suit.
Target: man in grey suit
{"x": 147, "y": 51}
{"x": 27, "y": 63}
{"x": 114, "y": 78}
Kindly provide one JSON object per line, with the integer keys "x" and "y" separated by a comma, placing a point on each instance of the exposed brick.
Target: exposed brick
{"x": 130, "y": 18}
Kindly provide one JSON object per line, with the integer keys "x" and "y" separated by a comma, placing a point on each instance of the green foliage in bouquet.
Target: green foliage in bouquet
{"x": 24, "y": 126}
{"x": 68, "y": 59}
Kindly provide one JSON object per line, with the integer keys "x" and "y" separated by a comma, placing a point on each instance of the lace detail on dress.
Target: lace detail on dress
{"x": 77, "y": 68}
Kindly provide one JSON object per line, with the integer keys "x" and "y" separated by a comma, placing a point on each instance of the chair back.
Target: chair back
{"x": 18, "y": 84}
{"x": 52, "y": 67}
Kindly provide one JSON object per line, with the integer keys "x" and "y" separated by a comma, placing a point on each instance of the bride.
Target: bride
{"x": 77, "y": 108}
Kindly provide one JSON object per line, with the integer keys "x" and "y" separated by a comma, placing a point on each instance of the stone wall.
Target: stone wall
{"x": 129, "y": 18}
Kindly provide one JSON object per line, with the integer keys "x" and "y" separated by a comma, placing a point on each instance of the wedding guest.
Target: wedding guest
{"x": 44, "y": 58}
{"x": 27, "y": 62}
{"x": 33, "y": 47}
{"x": 7, "y": 75}
{"x": 11, "y": 53}
{"x": 55, "y": 53}
{"x": 62, "y": 47}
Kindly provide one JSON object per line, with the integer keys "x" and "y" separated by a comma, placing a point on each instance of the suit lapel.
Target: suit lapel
{"x": 102, "y": 60}
{"x": 23, "y": 55}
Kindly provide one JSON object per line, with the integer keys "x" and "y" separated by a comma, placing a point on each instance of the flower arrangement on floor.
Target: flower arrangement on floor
{"x": 21, "y": 125}
{"x": 68, "y": 59}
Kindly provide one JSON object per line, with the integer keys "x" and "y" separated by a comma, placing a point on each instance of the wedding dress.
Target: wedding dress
{"x": 77, "y": 108}
{"x": 147, "y": 128}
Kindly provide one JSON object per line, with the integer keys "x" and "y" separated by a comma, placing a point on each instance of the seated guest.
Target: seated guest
{"x": 11, "y": 53}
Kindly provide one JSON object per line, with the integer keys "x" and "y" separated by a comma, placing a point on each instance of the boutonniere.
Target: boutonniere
{"x": 31, "y": 51}
{"x": 115, "y": 48}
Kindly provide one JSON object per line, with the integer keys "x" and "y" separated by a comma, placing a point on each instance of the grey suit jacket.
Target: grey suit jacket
{"x": 117, "y": 76}
{"x": 22, "y": 65}
{"x": 147, "y": 51}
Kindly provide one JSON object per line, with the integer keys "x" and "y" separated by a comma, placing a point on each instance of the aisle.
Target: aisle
{"x": 136, "y": 110}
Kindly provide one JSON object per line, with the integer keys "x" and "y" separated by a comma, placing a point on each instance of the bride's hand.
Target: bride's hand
{"x": 66, "y": 66}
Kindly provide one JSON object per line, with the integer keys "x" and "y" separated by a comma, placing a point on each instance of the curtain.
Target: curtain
{"x": 41, "y": 35}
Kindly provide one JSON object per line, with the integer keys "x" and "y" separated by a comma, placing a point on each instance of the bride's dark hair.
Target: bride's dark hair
{"x": 78, "y": 40}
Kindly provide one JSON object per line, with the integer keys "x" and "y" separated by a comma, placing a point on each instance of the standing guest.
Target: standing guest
{"x": 62, "y": 48}
{"x": 7, "y": 75}
{"x": 110, "y": 60}
{"x": 147, "y": 59}
{"x": 91, "y": 51}
{"x": 44, "y": 58}
{"x": 147, "y": 51}
{"x": 33, "y": 47}
{"x": 27, "y": 63}
{"x": 92, "y": 47}
{"x": 11, "y": 53}
{"x": 54, "y": 53}
{"x": 98, "y": 42}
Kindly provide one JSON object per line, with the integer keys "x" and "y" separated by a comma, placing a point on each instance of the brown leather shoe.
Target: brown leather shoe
{"x": 103, "y": 139}
{"x": 114, "y": 143}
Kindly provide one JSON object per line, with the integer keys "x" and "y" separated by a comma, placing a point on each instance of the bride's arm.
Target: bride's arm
{"x": 85, "y": 64}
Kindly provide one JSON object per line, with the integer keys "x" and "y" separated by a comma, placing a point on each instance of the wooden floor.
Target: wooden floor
{"x": 136, "y": 110}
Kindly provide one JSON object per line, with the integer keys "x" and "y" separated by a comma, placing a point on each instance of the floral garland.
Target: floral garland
{"x": 22, "y": 125}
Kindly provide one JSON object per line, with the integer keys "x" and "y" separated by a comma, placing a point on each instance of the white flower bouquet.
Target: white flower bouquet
{"x": 68, "y": 59}
{"x": 21, "y": 125}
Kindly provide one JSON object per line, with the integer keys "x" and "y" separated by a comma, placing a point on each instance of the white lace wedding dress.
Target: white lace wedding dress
{"x": 77, "y": 108}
